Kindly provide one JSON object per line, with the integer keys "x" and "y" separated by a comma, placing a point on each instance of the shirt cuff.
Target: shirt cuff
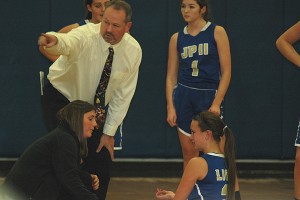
{"x": 110, "y": 129}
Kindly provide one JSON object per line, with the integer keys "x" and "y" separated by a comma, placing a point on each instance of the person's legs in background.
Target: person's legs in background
{"x": 297, "y": 166}
{"x": 98, "y": 163}
{"x": 188, "y": 150}
{"x": 51, "y": 102}
{"x": 297, "y": 174}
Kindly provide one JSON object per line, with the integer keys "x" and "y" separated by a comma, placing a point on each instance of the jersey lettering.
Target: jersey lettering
{"x": 224, "y": 190}
{"x": 195, "y": 68}
{"x": 203, "y": 49}
{"x": 221, "y": 175}
{"x": 190, "y": 50}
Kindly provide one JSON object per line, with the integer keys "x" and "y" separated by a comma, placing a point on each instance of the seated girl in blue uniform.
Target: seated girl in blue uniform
{"x": 213, "y": 175}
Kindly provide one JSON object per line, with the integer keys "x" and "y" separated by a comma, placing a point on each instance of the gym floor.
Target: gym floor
{"x": 144, "y": 188}
{"x": 139, "y": 180}
{"x": 133, "y": 188}
{"x": 258, "y": 179}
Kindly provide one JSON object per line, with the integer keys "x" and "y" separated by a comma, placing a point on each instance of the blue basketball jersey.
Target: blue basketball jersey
{"x": 83, "y": 22}
{"x": 199, "y": 65}
{"x": 214, "y": 185}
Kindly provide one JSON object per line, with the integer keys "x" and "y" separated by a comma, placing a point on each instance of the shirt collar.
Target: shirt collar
{"x": 216, "y": 154}
{"x": 105, "y": 45}
{"x": 203, "y": 29}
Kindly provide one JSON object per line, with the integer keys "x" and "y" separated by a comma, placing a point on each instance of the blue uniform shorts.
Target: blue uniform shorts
{"x": 297, "y": 141}
{"x": 188, "y": 102}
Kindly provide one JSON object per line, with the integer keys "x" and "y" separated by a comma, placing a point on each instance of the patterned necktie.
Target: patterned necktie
{"x": 99, "y": 99}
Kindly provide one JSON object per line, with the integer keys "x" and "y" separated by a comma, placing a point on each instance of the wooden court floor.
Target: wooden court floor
{"x": 128, "y": 188}
{"x": 139, "y": 180}
{"x": 134, "y": 188}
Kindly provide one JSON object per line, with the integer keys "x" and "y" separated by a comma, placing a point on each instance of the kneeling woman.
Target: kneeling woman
{"x": 49, "y": 168}
{"x": 213, "y": 175}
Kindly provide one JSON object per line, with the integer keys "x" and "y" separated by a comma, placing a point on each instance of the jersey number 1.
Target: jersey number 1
{"x": 195, "y": 68}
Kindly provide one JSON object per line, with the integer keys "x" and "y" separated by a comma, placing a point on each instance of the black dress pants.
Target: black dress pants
{"x": 95, "y": 163}
{"x": 98, "y": 163}
{"x": 52, "y": 101}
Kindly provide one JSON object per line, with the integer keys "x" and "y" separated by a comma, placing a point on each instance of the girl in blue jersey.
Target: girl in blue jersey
{"x": 94, "y": 9}
{"x": 285, "y": 45}
{"x": 199, "y": 71}
{"x": 213, "y": 175}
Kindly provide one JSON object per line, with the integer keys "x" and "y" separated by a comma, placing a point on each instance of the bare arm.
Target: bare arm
{"x": 225, "y": 64}
{"x": 171, "y": 79}
{"x": 68, "y": 28}
{"x": 285, "y": 44}
{"x": 195, "y": 170}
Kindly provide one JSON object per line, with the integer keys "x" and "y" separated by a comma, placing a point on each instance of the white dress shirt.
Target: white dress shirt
{"x": 76, "y": 74}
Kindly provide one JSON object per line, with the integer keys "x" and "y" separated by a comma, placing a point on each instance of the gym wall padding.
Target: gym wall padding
{"x": 261, "y": 107}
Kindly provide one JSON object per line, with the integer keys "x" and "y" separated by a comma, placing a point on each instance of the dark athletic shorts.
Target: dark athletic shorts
{"x": 189, "y": 101}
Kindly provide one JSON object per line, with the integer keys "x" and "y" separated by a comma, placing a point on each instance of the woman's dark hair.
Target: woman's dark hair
{"x": 121, "y": 5}
{"x": 203, "y": 3}
{"x": 72, "y": 115}
{"x": 88, "y": 13}
{"x": 212, "y": 122}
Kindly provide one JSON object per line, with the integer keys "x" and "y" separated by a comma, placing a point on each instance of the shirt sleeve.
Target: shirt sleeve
{"x": 121, "y": 98}
{"x": 65, "y": 162}
{"x": 67, "y": 43}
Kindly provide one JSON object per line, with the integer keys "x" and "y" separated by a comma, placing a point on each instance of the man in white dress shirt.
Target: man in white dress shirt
{"x": 76, "y": 74}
